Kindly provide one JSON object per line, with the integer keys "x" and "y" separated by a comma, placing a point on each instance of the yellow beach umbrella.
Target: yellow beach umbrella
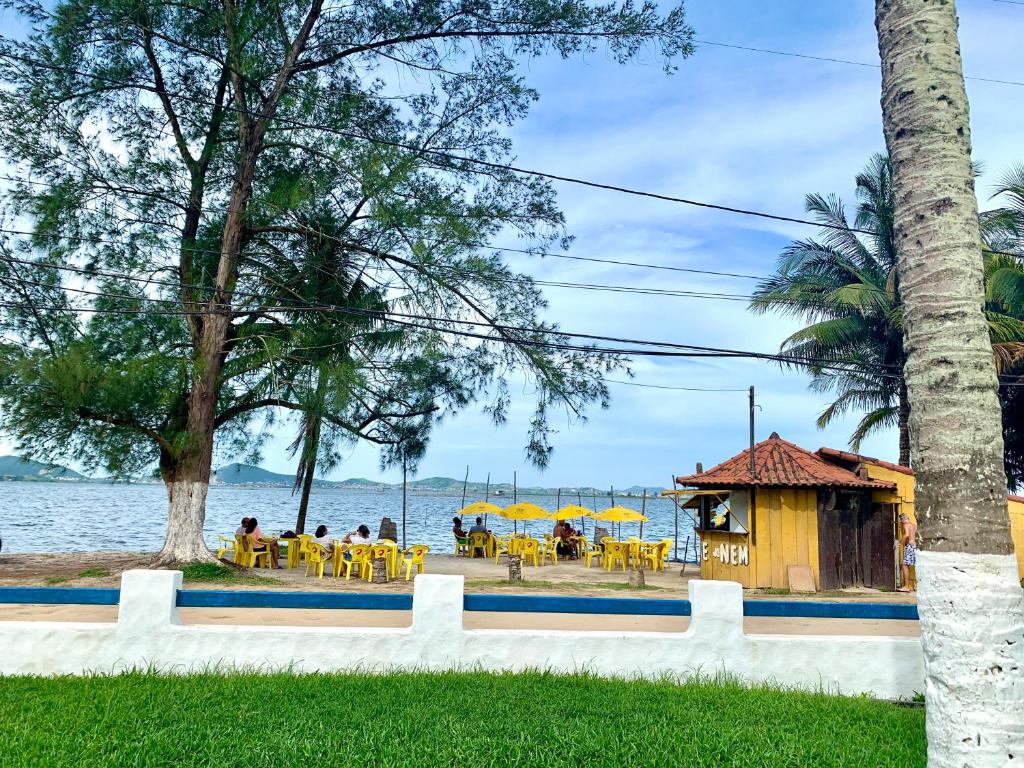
{"x": 620, "y": 515}
{"x": 571, "y": 512}
{"x": 480, "y": 508}
{"x": 524, "y": 510}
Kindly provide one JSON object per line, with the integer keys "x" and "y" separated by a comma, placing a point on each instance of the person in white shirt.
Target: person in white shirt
{"x": 360, "y": 536}
{"x": 321, "y": 536}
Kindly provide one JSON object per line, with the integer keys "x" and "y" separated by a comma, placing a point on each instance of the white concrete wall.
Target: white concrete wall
{"x": 148, "y": 634}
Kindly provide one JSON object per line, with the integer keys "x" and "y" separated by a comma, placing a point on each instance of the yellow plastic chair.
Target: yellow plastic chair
{"x": 589, "y": 552}
{"x": 316, "y": 558}
{"x": 224, "y": 543}
{"x": 656, "y": 555}
{"x": 338, "y": 558}
{"x": 502, "y": 546}
{"x": 415, "y": 557}
{"x": 615, "y": 551}
{"x": 478, "y": 541}
{"x": 358, "y": 554}
{"x": 529, "y": 549}
{"x": 550, "y": 549}
{"x": 462, "y": 547}
{"x": 265, "y": 554}
{"x": 250, "y": 557}
{"x": 378, "y": 551}
{"x": 666, "y": 553}
{"x": 240, "y": 553}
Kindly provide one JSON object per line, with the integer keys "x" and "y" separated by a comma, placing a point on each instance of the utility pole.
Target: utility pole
{"x": 753, "y": 470}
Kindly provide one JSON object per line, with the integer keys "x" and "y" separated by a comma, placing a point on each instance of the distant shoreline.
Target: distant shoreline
{"x": 339, "y": 486}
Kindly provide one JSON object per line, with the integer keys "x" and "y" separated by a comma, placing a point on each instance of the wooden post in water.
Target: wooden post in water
{"x": 465, "y": 482}
{"x": 675, "y": 542}
{"x": 643, "y": 510}
{"x": 583, "y": 520}
{"x": 405, "y": 484}
{"x": 515, "y": 524}
{"x": 487, "y": 495}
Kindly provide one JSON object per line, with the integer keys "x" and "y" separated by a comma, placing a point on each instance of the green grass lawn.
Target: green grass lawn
{"x": 447, "y": 719}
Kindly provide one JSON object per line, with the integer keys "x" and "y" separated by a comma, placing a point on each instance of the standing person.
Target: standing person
{"x": 259, "y": 543}
{"x": 909, "y": 541}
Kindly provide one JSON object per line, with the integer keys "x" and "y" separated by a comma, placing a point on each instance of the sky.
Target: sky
{"x": 733, "y": 127}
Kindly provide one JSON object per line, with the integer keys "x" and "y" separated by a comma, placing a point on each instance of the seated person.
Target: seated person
{"x": 460, "y": 534}
{"x": 324, "y": 541}
{"x": 360, "y": 535}
{"x": 563, "y": 531}
{"x": 260, "y": 544}
{"x": 479, "y": 528}
{"x": 240, "y": 530}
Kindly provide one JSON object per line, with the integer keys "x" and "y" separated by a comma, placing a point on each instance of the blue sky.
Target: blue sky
{"x": 733, "y": 127}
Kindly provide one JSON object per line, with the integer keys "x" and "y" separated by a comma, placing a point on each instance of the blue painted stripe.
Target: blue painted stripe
{"x": 59, "y": 595}
{"x": 822, "y": 610}
{"x": 620, "y": 606}
{"x": 212, "y": 598}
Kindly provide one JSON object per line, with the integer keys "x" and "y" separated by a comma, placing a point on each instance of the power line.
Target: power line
{"x": 839, "y": 61}
{"x": 477, "y": 161}
{"x": 458, "y": 158}
{"x": 402, "y": 319}
{"x": 663, "y": 386}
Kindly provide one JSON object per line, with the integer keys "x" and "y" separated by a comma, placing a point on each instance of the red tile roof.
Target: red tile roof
{"x": 779, "y": 463}
{"x": 856, "y": 458}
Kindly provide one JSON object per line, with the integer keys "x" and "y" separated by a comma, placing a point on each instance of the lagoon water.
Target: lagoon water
{"x": 63, "y": 517}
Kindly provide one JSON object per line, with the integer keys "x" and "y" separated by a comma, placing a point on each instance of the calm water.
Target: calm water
{"x": 53, "y": 517}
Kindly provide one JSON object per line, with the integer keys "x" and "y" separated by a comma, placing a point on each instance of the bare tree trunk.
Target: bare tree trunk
{"x": 310, "y": 449}
{"x": 903, "y": 417}
{"x": 971, "y": 606}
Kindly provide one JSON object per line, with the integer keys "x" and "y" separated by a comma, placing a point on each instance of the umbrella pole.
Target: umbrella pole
{"x": 643, "y": 510}
{"x": 583, "y": 520}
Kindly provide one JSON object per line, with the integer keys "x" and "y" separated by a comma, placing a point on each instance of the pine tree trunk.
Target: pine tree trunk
{"x": 904, "y": 425}
{"x": 972, "y": 610}
{"x": 310, "y": 448}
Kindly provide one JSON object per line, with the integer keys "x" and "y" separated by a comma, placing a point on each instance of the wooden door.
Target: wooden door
{"x": 878, "y": 541}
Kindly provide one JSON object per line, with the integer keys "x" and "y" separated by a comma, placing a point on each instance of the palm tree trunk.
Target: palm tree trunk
{"x": 970, "y": 604}
{"x": 904, "y": 424}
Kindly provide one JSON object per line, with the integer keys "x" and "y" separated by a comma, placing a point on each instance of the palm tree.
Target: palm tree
{"x": 1003, "y": 230}
{"x": 969, "y": 600}
{"x": 845, "y": 284}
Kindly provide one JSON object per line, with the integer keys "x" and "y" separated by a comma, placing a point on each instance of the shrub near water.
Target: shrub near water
{"x": 451, "y": 719}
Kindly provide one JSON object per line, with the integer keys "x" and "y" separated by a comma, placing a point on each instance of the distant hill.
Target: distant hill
{"x": 17, "y": 468}
{"x": 247, "y": 474}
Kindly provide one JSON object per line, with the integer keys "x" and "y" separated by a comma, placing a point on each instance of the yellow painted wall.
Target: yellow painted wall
{"x": 712, "y": 568}
{"x": 904, "y": 496}
{"x": 784, "y": 532}
{"x": 1017, "y": 532}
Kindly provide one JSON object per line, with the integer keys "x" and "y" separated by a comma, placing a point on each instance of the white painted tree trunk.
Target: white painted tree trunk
{"x": 186, "y": 514}
{"x": 969, "y": 603}
{"x": 972, "y": 612}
